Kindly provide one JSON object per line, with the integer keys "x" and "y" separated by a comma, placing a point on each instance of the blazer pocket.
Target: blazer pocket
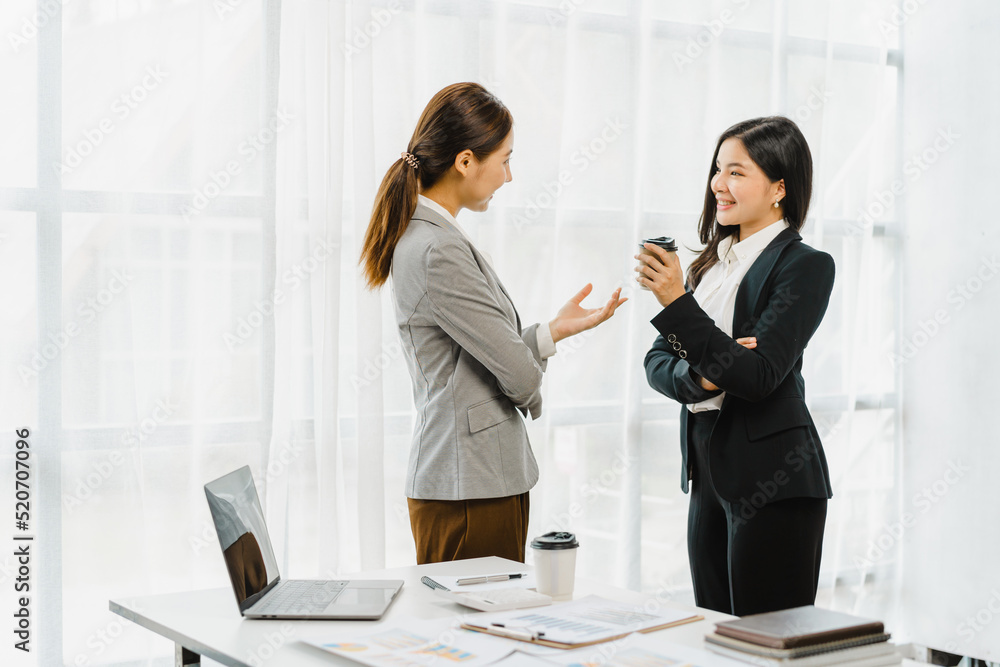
{"x": 490, "y": 412}
{"x": 775, "y": 416}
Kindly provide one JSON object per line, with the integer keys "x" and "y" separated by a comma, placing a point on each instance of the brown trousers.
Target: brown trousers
{"x": 446, "y": 530}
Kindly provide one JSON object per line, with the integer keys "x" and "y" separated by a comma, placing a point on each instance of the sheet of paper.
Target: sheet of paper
{"x": 519, "y": 659}
{"x": 539, "y": 650}
{"x": 637, "y": 650}
{"x": 451, "y": 583}
{"x": 590, "y": 619}
{"x": 416, "y": 643}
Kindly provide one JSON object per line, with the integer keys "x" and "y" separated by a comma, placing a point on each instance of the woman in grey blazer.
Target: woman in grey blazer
{"x": 472, "y": 363}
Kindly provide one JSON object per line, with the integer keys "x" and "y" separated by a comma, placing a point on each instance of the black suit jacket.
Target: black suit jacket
{"x": 764, "y": 446}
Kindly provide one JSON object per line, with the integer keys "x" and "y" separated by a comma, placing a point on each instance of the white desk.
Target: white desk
{"x": 208, "y": 622}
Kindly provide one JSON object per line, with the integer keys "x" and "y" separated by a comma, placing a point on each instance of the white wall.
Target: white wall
{"x": 950, "y": 361}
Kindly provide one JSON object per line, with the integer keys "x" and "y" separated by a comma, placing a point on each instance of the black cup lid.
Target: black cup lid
{"x": 555, "y": 541}
{"x": 665, "y": 242}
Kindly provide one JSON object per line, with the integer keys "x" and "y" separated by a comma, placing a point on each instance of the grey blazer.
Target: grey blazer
{"x": 472, "y": 367}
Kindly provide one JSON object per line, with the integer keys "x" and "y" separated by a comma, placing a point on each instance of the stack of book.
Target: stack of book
{"x": 804, "y": 637}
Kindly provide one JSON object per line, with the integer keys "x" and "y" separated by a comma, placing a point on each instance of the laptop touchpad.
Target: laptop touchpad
{"x": 351, "y": 596}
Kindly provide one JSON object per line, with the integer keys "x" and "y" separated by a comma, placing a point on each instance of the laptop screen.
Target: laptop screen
{"x": 239, "y": 523}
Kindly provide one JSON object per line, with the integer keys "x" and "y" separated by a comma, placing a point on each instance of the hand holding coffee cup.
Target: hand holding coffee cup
{"x": 665, "y": 242}
{"x": 659, "y": 269}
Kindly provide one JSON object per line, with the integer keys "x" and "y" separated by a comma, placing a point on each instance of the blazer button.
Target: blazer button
{"x": 683, "y": 354}
{"x": 677, "y": 346}
{"x": 671, "y": 338}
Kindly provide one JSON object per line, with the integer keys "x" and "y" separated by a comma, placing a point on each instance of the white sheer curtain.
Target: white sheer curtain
{"x": 227, "y": 200}
{"x": 617, "y": 106}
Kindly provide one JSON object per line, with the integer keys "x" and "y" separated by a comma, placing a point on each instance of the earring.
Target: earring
{"x": 776, "y": 203}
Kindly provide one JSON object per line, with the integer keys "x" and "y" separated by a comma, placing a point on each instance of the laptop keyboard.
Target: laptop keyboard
{"x": 300, "y": 596}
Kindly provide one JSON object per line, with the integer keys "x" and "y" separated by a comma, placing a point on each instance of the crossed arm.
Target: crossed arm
{"x": 795, "y": 304}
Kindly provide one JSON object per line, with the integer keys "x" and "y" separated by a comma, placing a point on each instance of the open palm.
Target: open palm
{"x": 573, "y": 318}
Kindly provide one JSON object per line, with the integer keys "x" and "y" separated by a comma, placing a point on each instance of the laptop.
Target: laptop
{"x": 253, "y": 571}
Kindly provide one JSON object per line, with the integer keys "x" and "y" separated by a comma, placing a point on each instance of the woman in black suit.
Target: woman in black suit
{"x": 730, "y": 351}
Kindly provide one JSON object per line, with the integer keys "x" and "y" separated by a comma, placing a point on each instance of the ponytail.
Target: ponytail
{"x": 462, "y": 116}
{"x": 394, "y": 205}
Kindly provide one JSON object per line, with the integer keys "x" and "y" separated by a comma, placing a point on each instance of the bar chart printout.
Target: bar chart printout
{"x": 417, "y": 643}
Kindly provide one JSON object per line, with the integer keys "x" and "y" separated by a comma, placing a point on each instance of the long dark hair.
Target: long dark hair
{"x": 777, "y": 146}
{"x": 463, "y": 116}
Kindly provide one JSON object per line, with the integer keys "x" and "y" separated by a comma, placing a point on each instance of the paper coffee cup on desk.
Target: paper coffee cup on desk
{"x": 665, "y": 242}
{"x": 555, "y": 564}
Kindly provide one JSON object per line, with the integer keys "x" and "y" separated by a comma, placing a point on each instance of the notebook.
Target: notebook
{"x": 253, "y": 570}
{"x": 873, "y": 655}
{"x": 797, "y": 652}
{"x": 799, "y": 626}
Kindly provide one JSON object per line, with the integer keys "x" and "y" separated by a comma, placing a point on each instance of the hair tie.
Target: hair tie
{"x": 410, "y": 158}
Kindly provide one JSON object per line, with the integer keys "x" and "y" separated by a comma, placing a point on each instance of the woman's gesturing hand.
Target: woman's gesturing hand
{"x": 749, "y": 343}
{"x": 573, "y": 318}
{"x": 661, "y": 273}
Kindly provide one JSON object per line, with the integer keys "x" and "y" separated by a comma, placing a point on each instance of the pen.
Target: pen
{"x": 427, "y": 581}
{"x": 488, "y": 579}
{"x": 525, "y": 634}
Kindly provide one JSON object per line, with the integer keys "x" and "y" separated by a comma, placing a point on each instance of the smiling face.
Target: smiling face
{"x": 744, "y": 194}
{"x": 484, "y": 177}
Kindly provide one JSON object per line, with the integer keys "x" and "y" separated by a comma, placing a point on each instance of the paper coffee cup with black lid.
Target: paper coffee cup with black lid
{"x": 555, "y": 564}
{"x": 665, "y": 242}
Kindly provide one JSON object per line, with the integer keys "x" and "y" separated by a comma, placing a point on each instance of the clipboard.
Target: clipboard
{"x": 592, "y": 620}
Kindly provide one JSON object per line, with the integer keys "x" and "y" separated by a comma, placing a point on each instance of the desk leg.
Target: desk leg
{"x": 185, "y": 658}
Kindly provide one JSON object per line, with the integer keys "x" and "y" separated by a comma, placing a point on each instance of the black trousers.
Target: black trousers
{"x": 740, "y": 565}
